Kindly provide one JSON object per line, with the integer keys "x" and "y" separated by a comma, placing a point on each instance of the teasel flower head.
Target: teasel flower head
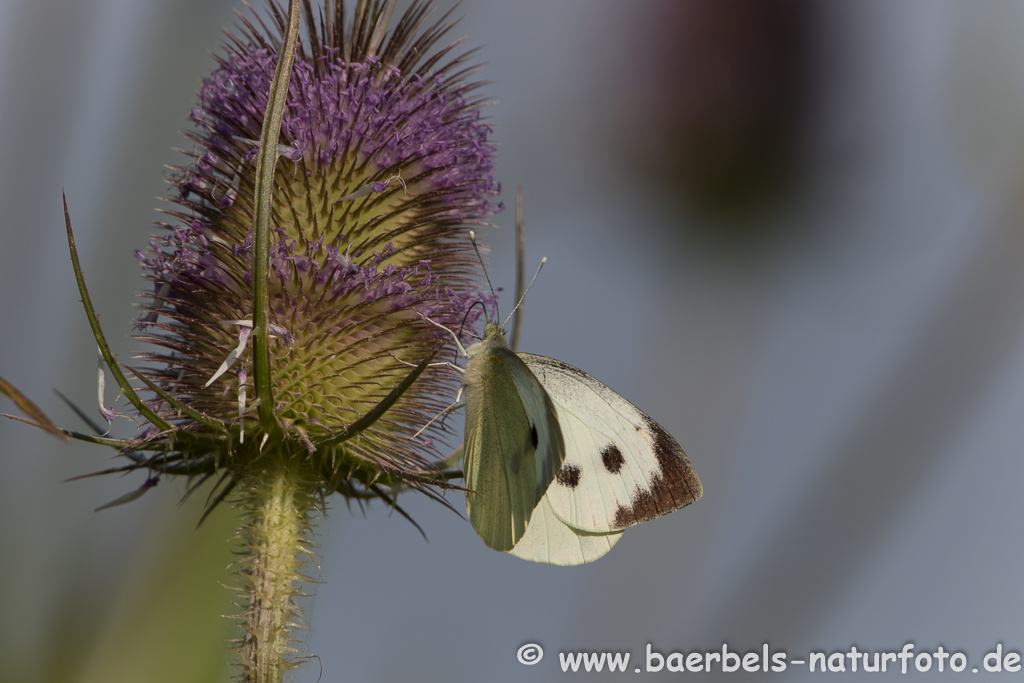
{"x": 384, "y": 163}
{"x": 315, "y": 246}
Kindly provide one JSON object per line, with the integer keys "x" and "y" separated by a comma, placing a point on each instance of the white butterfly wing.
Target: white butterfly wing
{"x": 621, "y": 467}
{"x": 548, "y": 539}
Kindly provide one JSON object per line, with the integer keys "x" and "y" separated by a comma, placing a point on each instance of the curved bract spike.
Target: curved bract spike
{"x": 110, "y": 470}
{"x": 199, "y": 417}
{"x": 97, "y": 332}
{"x": 378, "y": 410}
{"x": 264, "y": 193}
{"x": 517, "y": 323}
{"x": 132, "y": 495}
{"x": 393, "y": 502}
{"x": 80, "y": 413}
{"x": 216, "y": 497}
{"x": 39, "y": 418}
{"x": 101, "y": 440}
{"x": 98, "y": 439}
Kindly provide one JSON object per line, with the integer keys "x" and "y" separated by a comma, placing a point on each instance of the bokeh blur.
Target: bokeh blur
{"x": 792, "y": 233}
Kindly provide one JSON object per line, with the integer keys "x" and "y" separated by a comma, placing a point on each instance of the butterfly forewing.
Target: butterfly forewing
{"x": 621, "y": 468}
{"x": 513, "y": 444}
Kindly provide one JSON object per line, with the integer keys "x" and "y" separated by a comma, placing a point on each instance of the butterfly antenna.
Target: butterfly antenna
{"x": 462, "y": 327}
{"x": 534, "y": 279}
{"x": 520, "y": 262}
{"x": 466, "y": 317}
{"x": 494, "y": 297}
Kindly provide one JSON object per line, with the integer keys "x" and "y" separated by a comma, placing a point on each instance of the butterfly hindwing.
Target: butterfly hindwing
{"x": 513, "y": 444}
{"x": 550, "y": 540}
{"x": 621, "y": 467}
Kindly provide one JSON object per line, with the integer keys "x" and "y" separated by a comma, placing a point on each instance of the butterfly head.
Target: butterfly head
{"x": 494, "y": 337}
{"x": 493, "y": 330}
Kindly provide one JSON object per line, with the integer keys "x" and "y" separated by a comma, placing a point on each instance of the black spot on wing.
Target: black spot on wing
{"x": 568, "y": 475}
{"x": 533, "y": 436}
{"x": 612, "y": 458}
{"x": 674, "y": 486}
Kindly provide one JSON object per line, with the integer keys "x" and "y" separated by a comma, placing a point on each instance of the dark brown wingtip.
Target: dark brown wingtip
{"x": 675, "y": 486}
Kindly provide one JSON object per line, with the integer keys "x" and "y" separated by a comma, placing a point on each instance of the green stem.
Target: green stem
{"x": 277, "y": 539}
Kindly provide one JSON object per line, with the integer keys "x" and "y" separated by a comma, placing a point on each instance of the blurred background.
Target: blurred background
{"x": 792, "y": 233}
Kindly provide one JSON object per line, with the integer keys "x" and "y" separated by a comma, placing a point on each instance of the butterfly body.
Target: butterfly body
{"x": 513, "y": 445}
{"x": 558, "y": 464}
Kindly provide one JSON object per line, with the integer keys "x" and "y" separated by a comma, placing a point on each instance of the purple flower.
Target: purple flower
{"x": 384, "y": 163}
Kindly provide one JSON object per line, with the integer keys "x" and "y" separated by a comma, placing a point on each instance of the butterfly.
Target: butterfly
{"x": 556, "y": 463}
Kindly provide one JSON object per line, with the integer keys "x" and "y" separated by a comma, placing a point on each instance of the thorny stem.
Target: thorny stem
{"x": 277, "y": 539}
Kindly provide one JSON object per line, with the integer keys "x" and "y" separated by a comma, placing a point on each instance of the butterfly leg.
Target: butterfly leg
{"x": 462, "y": 349}
{"x": 393, "y": 502}
{"x": 445, "y": 363}
{"x": 453, "y": 406}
